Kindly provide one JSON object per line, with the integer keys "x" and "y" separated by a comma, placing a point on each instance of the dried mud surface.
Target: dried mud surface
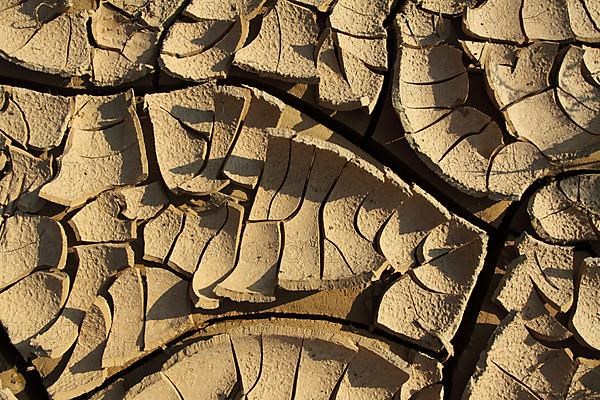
{"x": 300, "y": 199}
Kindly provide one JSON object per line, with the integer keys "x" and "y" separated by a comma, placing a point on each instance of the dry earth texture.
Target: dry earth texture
{"x": 300, "y": 199}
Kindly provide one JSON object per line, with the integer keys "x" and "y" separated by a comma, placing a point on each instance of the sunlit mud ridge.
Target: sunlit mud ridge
{"x": 299, "y": 199}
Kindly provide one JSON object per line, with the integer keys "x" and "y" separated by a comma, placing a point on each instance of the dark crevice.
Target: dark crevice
{"x": 34, "y": 384}
{"x": 392, "y": 51}
{"x": 478, "y": 296}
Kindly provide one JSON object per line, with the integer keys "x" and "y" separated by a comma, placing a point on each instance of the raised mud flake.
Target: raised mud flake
{"x": 350, "y": 70}
{"x": 245, "y": 162}
{"x": 231, "y": 107}
{"x": 114, "y": 215}
{"x": 546, "y": 20}
{"x": 105, "y": 149}
{"x": 168, "y": 307}
{"x": 401, "y": 233}
{"x": 218, "y": 258}
{"x": 361, "y": 18}
{"x": 31, "y": 304}
{"x": 496, "y": 19}
{"x": 28, "y": 242}
{"x": 516, "y": 365}
{"x": 254, "y": 276}
{"x": 457, "y": 142}
{"x": 321, "y": 365}
{"x": 84, "y": 371}
{"x": 96, "y": 264}
{"x": 578, "y": 95}
{"x": 556, "y": 20}
{"x": 121, "y": 46}
{"x": 156, "y": 13}
{"x": 217, "y": 360}
{"x": 567, "y": 211}
{"x": 161, "y": 232}
{"x": 125, "y": 339}
{"x": 126, "y": 49}
{"x": 561, "y": 139}
{"x": 33, "y": 119}
{"x": 542, "y": 273}
{"x": 284, "y": 48}
{"x": 418, "y": 28}
{"x": 513, "y": 73}
{"x": 427, "y": 304}
{"x": 586, "y": 317}
{"x": 26, "y": 175}
{"x": 197, "y": 232}
{"x": 183, "y": 124}
{"x": 27, "y": 29}
{"x": 460, "y": 147}
{"x": 514, "y": 168}
{"x": 202, "y": 49}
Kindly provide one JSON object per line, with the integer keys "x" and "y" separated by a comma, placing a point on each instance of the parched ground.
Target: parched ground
{"x": 300, "y": 199}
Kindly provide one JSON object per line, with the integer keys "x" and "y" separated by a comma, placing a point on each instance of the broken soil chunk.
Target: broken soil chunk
{"x": 496, "y": 19}
{"x": 182, "y": 122}
{"x": 402, "y": 234}
{"x": 230, "y": 107}
{"x": 84, "y": 369}
{"x": 214, "y": 359}
{"x": 417, "y": 28}
{"x": 255, "y": 274}
{"x": 514, "y": 72}
{"x": 321, "y": 366}
{"x": 303, "y": 241}
{"x": 125, "y": 340}
{"x": 105, "y": 149}
{"x": 161, "y": 232}
{"x": 542, "y": 273}
{"x": 168, "y": 307}
{"x": 562, "y": 218}
{"x": 34, "y": 119}
{"x": 285, "y": 46}
{"x": 198, "y": 230}
{"x": 586, "y": 319}
{"x": 279, "y": 362}
{"x": 96, "y": 264}
{"x": 28, "y": 242}
{"x": 360, "y": 17}
{"x": 427, "y": 304}
{"x": 201, "y": 50}
{"x": 30, "y": 305}
{"x": 370, "y": 376}
{"x": 20, "y": 186}
{"x": 579, "y": 98}
{"x": 339, "y": 214}
{"x": 218, "y": 258}
{"x": 516, "y": 365}
{"x": 345, "y": 65}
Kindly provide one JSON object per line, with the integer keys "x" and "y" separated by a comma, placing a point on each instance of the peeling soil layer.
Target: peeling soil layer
{"x": 300, "y": 199}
